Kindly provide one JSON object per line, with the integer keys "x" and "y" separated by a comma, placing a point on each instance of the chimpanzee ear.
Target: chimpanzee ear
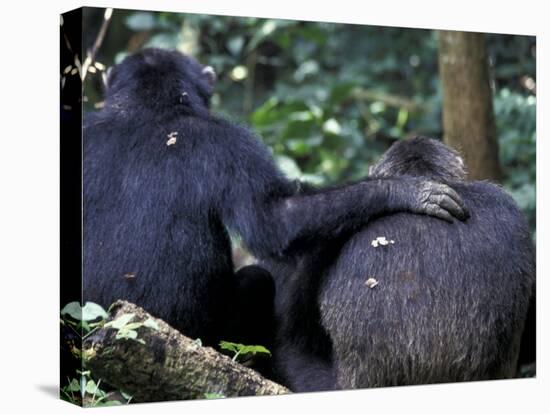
{"x": 210, "y": 75}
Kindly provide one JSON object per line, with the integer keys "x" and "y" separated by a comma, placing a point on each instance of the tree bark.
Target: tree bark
{"x": 168, "y": 365}
{"x": 468, "y": 118}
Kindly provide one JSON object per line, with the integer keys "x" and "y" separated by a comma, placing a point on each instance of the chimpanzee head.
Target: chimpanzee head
{"x": 160, "y": 80}
{"x": 420, "y": 157}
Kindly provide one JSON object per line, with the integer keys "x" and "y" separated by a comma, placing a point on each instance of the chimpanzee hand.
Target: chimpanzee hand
{"x": 423, "y": 196}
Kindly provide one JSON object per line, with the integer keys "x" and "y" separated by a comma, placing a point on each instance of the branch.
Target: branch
{"x": 389, "y": 99}
{"x": 90, "y": 59}
{"x": 161, "y": 364}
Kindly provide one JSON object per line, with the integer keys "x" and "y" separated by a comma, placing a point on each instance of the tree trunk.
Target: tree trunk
{"x": 468, "y": 118}
{"x": 161, "y": 364}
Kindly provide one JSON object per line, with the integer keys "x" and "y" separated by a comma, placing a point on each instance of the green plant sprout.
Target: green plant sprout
{"x": 240, "y": 349}
{"x": 127, "y": 329}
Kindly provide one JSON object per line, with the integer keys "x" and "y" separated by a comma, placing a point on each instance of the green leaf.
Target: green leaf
{"x": 255, "y": 349}
{"x": 164, "y": 40}
{"x": 264, "y": 31}
{"x": 332, "y": 126}
{"x": 126, "y": 334}
{"x": 235, "y": 45}
{"x": 307, "y": 68}
{"x": 126, "y": 395}
{"x": 150, "y": 323}
{"x": 133, "y": 325}
{"x": 274, "y": 110}
{"x": 213, "y": 395}
{"x": 120, "y": 56}
{"x": 72, "y": 309}
{"x": 85, "y": 326}
{"x": 93, "y": 389}
{"x": 342, "y": 92}
{"x": 140, "y": 21}
{"x": 402, "y": 117}
{"x": 244, "y": 349}
{"x": 83, "y": 382}
{"x": 92, "y": 311}
{"x": 230, "y": 346}
{"x": 89, "y": 312}
{"x": 263, "y": 115}
{"x": 74, "y": 385}
{"x": 120, "y": 322}
{"x": 288, "y": 166}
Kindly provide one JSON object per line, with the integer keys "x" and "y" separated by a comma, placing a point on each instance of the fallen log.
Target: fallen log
{"x": 146, "y": 358}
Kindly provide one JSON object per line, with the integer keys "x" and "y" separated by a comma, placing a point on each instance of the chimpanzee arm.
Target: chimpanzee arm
{"x": 270, "y": 212}
{"x": 329, "y": 212}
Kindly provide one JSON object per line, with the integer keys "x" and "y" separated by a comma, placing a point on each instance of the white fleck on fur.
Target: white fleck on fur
{"x": 172, "y": 138}
{"x": 371, "y": 282}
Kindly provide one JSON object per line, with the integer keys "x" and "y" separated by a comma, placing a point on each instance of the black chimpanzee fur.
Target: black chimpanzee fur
{"x": 164, "y": 180}
{"x": 451, "y": 299}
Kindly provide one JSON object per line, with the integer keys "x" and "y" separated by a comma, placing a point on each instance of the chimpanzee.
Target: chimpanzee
{"x": 528, "y": 349}
{"x": 165, "y": 180}
{"x": 409, "y": 299}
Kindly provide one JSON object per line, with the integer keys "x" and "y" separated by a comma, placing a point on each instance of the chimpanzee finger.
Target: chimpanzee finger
{"x": 446, "y": 202}
{"x": 436, "y": 211}
{"x": 445, "y": 189}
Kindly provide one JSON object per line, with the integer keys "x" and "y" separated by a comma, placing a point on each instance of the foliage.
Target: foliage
{"x": 330, "y": 98}
{"x": 88, "y": 312}
{"x": 80, "y": 318}
{"x": 82, "y": 389}
{"x": 515, "y": 115}
{"x": 127, "y": 329}
{"x": 213, "y": 396}
{"x": 240, "y": 350}
{"x": 88, "y": 393}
